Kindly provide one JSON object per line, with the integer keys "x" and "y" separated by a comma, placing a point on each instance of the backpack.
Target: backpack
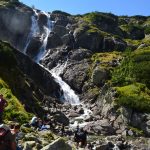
{"x": 3, "y": 133}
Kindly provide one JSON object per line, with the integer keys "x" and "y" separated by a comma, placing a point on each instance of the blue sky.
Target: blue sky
{"x": 118, "y": 7}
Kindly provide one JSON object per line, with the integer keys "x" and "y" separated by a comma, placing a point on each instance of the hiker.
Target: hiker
{"x": 15, "y": 130}
{"x": 76, "y": 136}
{"x": 80, "y": 137}
{"x": 7, "y": 140}
{"x": 45, "y": 127}
{"x": 3, "y": 104}
{"x": 62, "y": 130}
{"x": 34, "y": 122}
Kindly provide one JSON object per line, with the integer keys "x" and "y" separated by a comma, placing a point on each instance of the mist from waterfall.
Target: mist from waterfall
{"x": 34, "y": 31}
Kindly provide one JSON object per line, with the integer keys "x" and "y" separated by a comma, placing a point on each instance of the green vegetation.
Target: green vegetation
{"x": 131, "y": 79}
{"x": 97, "y": 18}
{"x": 137, "y": 131}
{"x": 14, "y": 110}
{"x": 105, "y": 58}
{"x": 9, "y": 3}
{"x": 136, "y": 96}
{"x": 60, "y": 12}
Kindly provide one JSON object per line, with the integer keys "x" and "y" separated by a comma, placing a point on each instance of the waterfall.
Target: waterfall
{"x": 47, "y": 30}
{"x": 34, "y": 31}
{"x": 68, "y": 94}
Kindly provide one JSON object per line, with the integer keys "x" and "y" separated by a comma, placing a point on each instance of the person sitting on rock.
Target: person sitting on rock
{"x": 7, "y": 139}
{"x": 34, "y": 122}
{"x": 45, "y": 126}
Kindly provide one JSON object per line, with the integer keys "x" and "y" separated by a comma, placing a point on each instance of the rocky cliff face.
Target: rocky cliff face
{"x": 37, "y": 73}
{"x": 15, "y": 24}
{"x": 103, "y": 52}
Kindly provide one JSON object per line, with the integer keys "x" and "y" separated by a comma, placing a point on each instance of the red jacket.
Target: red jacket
{"x": 3, "y": 102}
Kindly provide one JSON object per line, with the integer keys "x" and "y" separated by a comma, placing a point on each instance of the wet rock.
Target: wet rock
{"x": 42, "y": 21}
{"x": 34, "y": 47}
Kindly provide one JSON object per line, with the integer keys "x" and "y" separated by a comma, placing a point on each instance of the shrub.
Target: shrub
{"x": 97, "y": 18}
{"x": 135, "y": 96}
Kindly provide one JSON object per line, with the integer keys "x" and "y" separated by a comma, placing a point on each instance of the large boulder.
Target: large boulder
{"x": 42, "y": 20}
{"x": 68, "y": 40}
{"x": 89, "y": 40}
{"x": 61, "y": 118}
{"x": 99, "y": 75}
{"x": 58, "y": 144}
{"x": 60, "y": 30}
{"x": 137, "y": 33}
{"x": 33, "y": 47}
{"x": 76, "y": 74}
{"x": 54, "y": 40}
{"x": 111, "y": 43}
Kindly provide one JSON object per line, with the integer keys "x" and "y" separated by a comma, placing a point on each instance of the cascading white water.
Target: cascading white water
{"x": 34, "y": 31}
{"x": 47, "y": 30}
{"x": 68, "y": 93}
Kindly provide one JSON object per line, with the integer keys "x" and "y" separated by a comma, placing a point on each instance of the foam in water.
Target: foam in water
{"x": 68, "y": 93}
{"x": 34, "y": 31}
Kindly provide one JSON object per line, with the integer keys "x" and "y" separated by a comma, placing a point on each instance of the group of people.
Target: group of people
{"x": 8, "y": 134}
{"x": 40, "y": 124}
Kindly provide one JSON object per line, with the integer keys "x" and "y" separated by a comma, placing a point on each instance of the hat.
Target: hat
{"x": 4, "y": 127}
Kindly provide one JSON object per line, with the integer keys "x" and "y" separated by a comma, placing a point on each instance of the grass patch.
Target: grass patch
{"x": 14, "y": 110}
{"x": 135, "y": 96}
